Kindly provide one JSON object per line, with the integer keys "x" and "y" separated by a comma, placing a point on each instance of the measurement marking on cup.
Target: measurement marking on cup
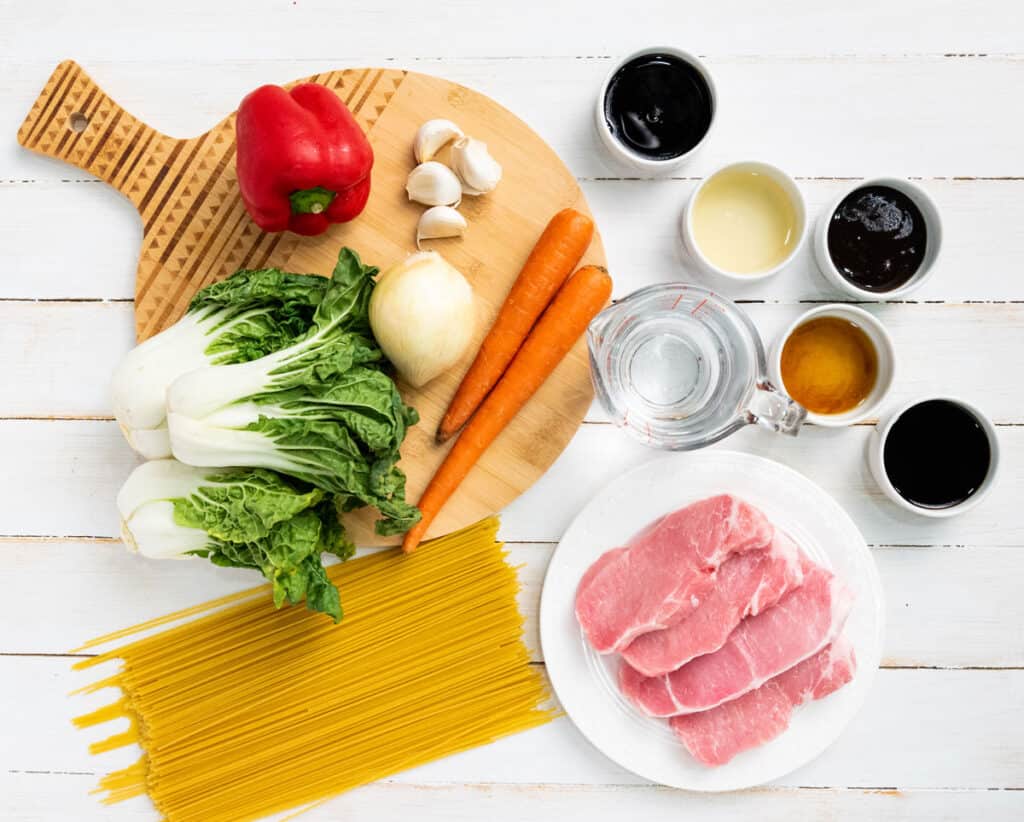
{"x": 697, "y": 307}
{"x": 678, "y": 299}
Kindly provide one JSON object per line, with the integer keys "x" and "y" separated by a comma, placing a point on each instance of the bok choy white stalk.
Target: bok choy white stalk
{"x": 238, "y": 517}
{"x": 242, "y": 318}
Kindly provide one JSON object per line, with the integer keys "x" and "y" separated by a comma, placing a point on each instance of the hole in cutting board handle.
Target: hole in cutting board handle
{"x": 78, "y": 122}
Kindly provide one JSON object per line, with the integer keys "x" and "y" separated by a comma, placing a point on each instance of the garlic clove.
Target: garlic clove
{"x": 477, "y": 169}
{"x": 432, "y": 136}
{"x": 439, "y": 222}
{"x": 434, "y": 184}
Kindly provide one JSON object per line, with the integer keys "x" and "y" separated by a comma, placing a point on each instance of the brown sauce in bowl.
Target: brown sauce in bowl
{"x": 877, "y": 238}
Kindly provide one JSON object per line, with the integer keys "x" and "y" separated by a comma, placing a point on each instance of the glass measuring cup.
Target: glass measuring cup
{"x": 680, "y": 367}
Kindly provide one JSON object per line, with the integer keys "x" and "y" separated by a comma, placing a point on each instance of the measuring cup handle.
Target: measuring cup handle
{"x": 773, "y": 410}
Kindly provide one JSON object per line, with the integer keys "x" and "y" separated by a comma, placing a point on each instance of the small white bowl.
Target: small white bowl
{"x": 876, "y": 451}
{"x": 933, "y": 241}
{"x": 713, "y": 271}
{"x": 626, "y": 157}
{"x": 884, "y": 348}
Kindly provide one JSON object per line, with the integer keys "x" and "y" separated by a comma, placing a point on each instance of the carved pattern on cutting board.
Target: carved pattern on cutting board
{"x": 195, "y": 227}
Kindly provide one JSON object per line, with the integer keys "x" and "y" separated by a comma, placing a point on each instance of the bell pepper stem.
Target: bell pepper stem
{"x": 311, "y": 200}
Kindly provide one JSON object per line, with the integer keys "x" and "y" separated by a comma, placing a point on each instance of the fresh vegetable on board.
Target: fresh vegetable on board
{"x": 470, "y": 170}
{"x": 561, "y": 325}
{"x": 553, "y": 258}
{"x": 422, "y": 316}
{"x": 321, "y": 410}
{"x": 246, "y": 316}
{"x": 303, "y": 162}
{"x": 237, "y": 517}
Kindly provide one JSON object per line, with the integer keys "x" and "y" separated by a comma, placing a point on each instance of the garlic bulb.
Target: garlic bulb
{"x": 433, "y": 184}
{"x": 422, "y": 315}
{"x": 438, "y": 222}
{"x": 432, "y": 136}
{"x": 477, "y": 169}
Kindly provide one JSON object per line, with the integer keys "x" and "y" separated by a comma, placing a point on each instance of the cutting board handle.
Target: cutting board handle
{"x": 74, "y": 120}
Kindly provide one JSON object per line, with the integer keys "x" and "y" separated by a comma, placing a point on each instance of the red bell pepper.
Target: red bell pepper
{"x": 303, "y": 162}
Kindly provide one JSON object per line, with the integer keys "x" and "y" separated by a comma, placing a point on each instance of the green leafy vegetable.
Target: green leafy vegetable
{"x": 243, "y": 517}
{"x": 247, "y": 316}
{"x": 321, "y": 410}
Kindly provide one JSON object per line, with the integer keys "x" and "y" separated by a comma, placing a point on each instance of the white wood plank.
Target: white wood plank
{"x": 814, "y": 116}
{"x": 835, "y": 459}
{"x": 951, "y": 606}
{"x": 41, "y": 796}
{"x": 77, "y": 240}
{"x": 61, "y": 478}
{"x": 919, "y": 729}
{"x": 61, "y": 354}
{"x": 96, "y": 251}
{"x": 391, "y": 27}
{"x": 945, "y": 607}
{"x": 68, "y": 474}
{"x": 501, "y": 803}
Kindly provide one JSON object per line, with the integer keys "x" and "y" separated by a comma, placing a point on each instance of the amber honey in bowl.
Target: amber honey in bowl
{"x": 829, "y": 365}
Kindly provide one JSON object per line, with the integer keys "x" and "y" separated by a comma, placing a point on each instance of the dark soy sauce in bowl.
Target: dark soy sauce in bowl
{"x": 659, "y": 106}
{"x": 877, "y": 238}
{"x": 937, "y": 454}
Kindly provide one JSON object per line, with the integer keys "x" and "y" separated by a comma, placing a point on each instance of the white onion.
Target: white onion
{"x": 422, "y": 315}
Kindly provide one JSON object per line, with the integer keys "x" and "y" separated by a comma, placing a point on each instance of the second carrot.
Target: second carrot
{"x": 552, "y": 260}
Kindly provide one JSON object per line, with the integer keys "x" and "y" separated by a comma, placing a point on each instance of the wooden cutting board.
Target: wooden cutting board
{"x": 196, "y": 231}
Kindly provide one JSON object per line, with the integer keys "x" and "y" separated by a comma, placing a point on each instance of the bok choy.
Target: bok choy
{"x": 238, "y": 517}
{"x": 321, "y": 410}
{"x": 244, "y": 317}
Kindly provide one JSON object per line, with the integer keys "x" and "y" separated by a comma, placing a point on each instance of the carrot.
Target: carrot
{"x": 566, "y": 319}
{"x": 552, "y": 260}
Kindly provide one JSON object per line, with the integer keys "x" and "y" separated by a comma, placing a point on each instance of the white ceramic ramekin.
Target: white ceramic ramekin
{"x": 876, "y": 460}
{"x": 626, "y": 157}
{"x": 884, "y": 348}
{"x": 933, "y": 240}
{"x": 711, "y": 270}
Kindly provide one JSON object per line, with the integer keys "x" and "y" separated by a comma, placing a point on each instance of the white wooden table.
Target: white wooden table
{"x": 921, "y": 88}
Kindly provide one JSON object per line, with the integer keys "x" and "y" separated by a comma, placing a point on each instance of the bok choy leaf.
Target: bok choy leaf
{"x": 241, "y": 517}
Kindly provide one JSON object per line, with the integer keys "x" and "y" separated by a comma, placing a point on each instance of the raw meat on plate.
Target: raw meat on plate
{"x": 747, "y": 584}
{"x": 714, "y": 737}
{"x": 761, "y": 647}
{"x": 666, "y": 571}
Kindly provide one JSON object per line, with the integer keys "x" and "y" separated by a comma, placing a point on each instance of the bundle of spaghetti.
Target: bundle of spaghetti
{"x": 244, "y": 711}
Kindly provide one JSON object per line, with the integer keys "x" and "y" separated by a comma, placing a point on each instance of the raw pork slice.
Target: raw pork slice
{"x": 665, "y": 571}
{"x": 761, "y": 647}
{"x": 716, "y": 736}
{"x": 746, "y": 585}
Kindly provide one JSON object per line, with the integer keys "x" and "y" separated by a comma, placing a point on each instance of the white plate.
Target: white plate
{"x": 585, "y": 681}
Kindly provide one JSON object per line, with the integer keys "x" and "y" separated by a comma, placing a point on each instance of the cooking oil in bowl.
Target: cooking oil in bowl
{"x": 744, "y": 221}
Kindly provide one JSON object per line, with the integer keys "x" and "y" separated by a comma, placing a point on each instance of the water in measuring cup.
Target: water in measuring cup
{"x": 681, "y": 375}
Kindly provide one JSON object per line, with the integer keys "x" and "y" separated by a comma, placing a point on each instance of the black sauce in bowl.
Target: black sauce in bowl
{"x": 877, "y": 238}
{"x": 659, "y": 106}
{"x": 936, "y": 454}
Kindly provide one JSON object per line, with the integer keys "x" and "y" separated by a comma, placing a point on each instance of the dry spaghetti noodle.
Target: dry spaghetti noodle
{"x": 245, "y": 711}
